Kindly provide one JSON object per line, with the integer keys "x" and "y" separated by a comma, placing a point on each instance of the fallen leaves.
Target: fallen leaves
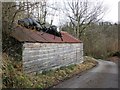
{"x": 14, "y": 78}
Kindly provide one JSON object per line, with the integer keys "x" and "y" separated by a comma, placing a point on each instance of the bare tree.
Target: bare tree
{"x": 11, "y": 12}
{"x": 81, "y": 13}
{"x": 41, "y": 11}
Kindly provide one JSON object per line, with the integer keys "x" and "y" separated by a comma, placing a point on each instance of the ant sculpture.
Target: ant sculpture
{"x": 32, "y": 23}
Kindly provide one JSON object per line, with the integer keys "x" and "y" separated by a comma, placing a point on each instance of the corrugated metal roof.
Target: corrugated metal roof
{"x": 26, "y": 35}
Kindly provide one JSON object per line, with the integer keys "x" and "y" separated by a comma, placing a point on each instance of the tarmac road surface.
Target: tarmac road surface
{"x": 105, "y": 75}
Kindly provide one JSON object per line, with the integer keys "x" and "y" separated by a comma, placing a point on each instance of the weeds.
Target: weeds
{"x": 14, "y": 78}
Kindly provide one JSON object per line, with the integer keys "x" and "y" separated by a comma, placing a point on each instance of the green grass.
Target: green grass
{"x": 13, "y": 77}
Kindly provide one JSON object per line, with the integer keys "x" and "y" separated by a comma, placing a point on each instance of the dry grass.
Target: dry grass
{"x": 13, "y": 77}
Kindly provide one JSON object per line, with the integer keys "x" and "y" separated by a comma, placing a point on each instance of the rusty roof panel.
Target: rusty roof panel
{"x": 26, "y": 35}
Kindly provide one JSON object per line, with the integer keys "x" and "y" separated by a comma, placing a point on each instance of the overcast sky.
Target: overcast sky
{"x": 112, "y": 14}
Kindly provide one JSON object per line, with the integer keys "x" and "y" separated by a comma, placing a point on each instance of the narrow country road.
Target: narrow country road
{"x": 105, "y": 75}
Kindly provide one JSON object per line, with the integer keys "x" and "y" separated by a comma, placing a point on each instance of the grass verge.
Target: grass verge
{"x": 13, "y": 77}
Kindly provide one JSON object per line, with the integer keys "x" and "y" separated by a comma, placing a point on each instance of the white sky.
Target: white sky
{"x": 112, "y": 14}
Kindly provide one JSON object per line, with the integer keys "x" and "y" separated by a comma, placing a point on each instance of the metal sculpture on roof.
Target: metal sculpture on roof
{"x": 30, "y": 23}
{"x": 52, "y": 30}
{"x": 33, "y": 24}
